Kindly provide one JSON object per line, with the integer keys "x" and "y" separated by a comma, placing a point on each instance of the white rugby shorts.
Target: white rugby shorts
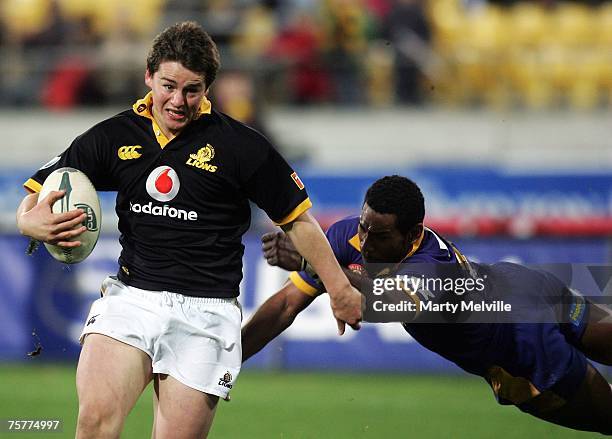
{"x": 195, "y": 340}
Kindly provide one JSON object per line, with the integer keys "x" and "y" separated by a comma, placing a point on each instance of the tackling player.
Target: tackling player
{"x": 184, "y": 174}
{"x": 539, "y": 367}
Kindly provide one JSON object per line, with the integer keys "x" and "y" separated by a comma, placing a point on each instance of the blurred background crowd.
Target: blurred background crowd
{"x": 459, "y": 53}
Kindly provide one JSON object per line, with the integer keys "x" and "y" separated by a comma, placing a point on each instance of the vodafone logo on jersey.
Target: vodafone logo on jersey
{"x": 163, "y": 183}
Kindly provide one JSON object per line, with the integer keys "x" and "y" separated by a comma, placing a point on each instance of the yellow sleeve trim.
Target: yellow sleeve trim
{"x": 302, "y": 285}
{"x": 32, "y": 185}
{"x": 300, "y": 209}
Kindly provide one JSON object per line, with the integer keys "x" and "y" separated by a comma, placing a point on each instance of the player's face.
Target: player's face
{"x": 381, "y": 241}
{"x": 177, "y": 94}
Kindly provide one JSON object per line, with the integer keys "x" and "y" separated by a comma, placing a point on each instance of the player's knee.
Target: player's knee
{"x": 99, "y": 421}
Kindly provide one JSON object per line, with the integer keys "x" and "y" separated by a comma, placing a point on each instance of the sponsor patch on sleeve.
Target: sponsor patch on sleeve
{"x": 297, "y": 181}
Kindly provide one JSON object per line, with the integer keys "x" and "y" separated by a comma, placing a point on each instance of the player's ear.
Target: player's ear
{"x": 148, "y": 78}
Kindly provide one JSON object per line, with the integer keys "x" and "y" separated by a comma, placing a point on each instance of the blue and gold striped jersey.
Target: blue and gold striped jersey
{"x": 522, "y": 355}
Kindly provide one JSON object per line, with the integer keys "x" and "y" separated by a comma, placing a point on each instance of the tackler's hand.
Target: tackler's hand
{"x": 39, "y": 222}
{"x": 346, "y": 306}
{"x": 279, "y": 251}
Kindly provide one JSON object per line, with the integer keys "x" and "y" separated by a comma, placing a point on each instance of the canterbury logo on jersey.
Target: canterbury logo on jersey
{"x": 129, "y": 152}
{"x": 201, "y": 158}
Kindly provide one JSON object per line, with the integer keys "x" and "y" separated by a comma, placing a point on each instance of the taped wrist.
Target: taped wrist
{"x": 32, "y": 246}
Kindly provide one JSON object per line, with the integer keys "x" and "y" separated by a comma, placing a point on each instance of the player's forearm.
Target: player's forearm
{"x": 271, "y": 319}
{"x": 310, "y": 241}
{"x": 267, "y": 323}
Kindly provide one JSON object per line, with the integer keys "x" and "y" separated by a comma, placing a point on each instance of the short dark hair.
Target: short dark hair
{"x": 188, "y": 44}
{"x": 399, "y": 196}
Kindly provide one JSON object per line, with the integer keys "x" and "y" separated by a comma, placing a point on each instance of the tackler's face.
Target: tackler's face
{"x": 177, "y": 95}
{"x": 381, "y": 241}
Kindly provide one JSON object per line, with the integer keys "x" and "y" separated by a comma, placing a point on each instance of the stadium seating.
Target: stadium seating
{"x": 525, "y": 55}
{"x": 24, "y": 17}
{"x": 28, "y": 17}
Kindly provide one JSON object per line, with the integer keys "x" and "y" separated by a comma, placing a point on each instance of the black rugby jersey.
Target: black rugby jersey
{"x": 183, "y": 204}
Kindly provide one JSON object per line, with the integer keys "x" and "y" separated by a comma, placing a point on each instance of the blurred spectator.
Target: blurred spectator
{"x": 54, "y": 33}
{"x": 379, "y": 8}
{"x": 258, "y": 29}
{"x": 121, "y": 73}
{"x": 297, "y": 50}
{"x": 19, "y": 84}
{"x": 234, "y": 94}
{"x": 380, "y": 88}
{"x": 408, "y": 31}
{"x": 176, "y": 11}
{"x": 221, "y": 19}
{"x": 73, "y": 80}
{"x": 347, "y": 37}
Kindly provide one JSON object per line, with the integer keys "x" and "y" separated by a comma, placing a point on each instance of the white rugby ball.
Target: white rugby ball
{"x": 80, "y": 194}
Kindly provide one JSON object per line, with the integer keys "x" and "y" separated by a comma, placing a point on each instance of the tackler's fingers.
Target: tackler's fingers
{"x": 341, "y": 326}
{"x": 272, "y": 260}
{"x": 268, "y": 236}
{"x": 269, "y": 251}
{"x": 268, "y": 246}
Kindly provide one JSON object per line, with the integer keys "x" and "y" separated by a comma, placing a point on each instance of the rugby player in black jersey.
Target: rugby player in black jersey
{"x": 184, "y": 174}
{"x": 534, "y": 358}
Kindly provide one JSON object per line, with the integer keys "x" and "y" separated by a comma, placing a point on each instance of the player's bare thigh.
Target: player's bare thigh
{"x": 111, "y": 375}
{"x": 596, "y": 342}
{"x": 181, "y": 412}
{"x": 588, "y": 410}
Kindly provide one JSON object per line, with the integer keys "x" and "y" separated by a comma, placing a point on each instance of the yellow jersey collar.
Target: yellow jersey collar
{"x": 143, "y": 107}
{"x": 354, "y": 241}
{"x": 415, "y": 245}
